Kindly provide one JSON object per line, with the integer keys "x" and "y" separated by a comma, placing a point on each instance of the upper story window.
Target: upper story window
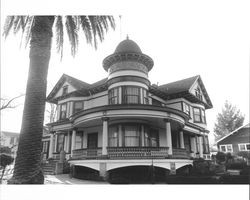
{"x": 186, "y": 108}
{"x": 78, "y": 106}
{"x": 226, "y": 148}
{"x": 244, "y": 147}
{"x": 198, "y": 93}
{"x": 114, "y": 95}
{"x": 199, "y": 115}
{"x": 63, "y": 111}
{"x": 65, "y": 90}
{"x": 130, "y": 95}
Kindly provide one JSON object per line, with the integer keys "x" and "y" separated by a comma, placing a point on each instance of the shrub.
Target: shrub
{"x": 202, "y": 167}
{"x": 5, "y": 160}
{"x": 220, "y": 157}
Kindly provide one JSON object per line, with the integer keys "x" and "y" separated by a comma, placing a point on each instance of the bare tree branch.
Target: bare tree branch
{"x": 5, "y": 103}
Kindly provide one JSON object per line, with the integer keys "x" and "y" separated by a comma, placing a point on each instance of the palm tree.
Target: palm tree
{"x": 38, "y": 32}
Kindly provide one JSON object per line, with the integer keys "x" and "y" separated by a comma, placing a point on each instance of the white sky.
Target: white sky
{"x": 184, "y": 38}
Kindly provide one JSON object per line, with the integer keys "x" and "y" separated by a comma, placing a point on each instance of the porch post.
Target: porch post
{"x": 73, "y": 141}
{"x": 181, "y": 140}
{"x": 51, "y": 146}
{"x": 56, "y": 135}
{"x": 68, "y": 141}
{"x": 169, "y": 137}
{"x": 104, "y": 136}
{"x": 142, "y": 136}
{"x": 120, "y": 135}
{"x": 193, "y": 145}
{"x": 201, "y": 146}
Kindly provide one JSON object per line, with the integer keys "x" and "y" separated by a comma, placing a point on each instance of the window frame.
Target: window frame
{"x": 81, "y": 139}
{"x": 201, "y": 119}
{"x": 186, "y": 105}
{"x": 137, "y": 136}
{"x": 111, "y": 137}
{"x": 65, "y": 90}
{"x": 74, "y": 109}
{"x": 62, "y": 144}
{"x": 124, "y": 95}
{"x": 66, "y": 107}
{"x": 226, "y": 148}
{"x": 111, "y": 98}
{"x": 245, "y": 146}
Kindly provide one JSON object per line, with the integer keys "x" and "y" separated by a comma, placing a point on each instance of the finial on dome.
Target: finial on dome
{"x": 127, "y": 37}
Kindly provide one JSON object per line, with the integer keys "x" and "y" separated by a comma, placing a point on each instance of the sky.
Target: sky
{"x": 184, "y": 38}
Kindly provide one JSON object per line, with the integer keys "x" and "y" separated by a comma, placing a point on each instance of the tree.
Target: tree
{"x": 38, "y": 31}
{"x": 228, "y": 120}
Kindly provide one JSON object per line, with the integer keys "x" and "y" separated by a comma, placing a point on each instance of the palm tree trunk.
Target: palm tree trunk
{"x": 27, "y": 168}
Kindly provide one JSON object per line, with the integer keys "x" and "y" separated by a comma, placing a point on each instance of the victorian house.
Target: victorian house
{"x": 124, "y": 121}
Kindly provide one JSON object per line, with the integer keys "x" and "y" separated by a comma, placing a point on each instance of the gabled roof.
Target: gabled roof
{"x": 179, "y": 86}
{"x": 182, "y": 88}
{"x": 82, "y": 88}
{"x": 77, "y": 84}
{"x": 235, "y": 131}
{"x": 9, "y": 134}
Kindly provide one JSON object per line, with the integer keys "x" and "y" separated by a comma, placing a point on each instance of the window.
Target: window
{"x": 131, "y": 95}
{"x": 151, "y": 138}
{"x": 113, "y": 136}
{"x": 244, "y": 147}
{"x": 79, "y": 140}
{"x": 145, "y": 96}
{"x": 226, "y": 148}
{"x": 78, "y": 106}
{"x": 65, "y": 90}
{"x": 198, "y": 93}
{"x": 63, "y": 111}
{"x": 45, "y": 146}
{"x": 199, "y": 115}
{"x": 186, "y": 108}
{"x": 114, "y": 96}
{"x": 60, "y": 142}
{"x": 131, "y": 135}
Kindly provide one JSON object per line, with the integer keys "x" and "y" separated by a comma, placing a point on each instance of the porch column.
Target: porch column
{"x": 181, "y": 140}
{"x": 169, "y": 137}
{"x": 142, "y": 136}
{"x": 104, "y": 136}
{"x": 73, "y": 141}
{"x": 120, "y": 135}
{"x": 201, "y": 146}
{"x": 51, "y": 146}
{"x": 56, "y": 137}
{"x": 68, "y": 142}
{"x": 193, "y": 145}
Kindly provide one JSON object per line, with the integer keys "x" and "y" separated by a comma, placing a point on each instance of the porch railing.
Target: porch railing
{"x": 181, "y": 153}
{"x": 137, "y": 152}
{"x": 86, "y": 153}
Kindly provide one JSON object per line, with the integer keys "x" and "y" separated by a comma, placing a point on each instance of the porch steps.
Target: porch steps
{"x": 49, "y": 168}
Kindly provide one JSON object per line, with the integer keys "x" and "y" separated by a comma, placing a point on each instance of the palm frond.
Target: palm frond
{"x": 86, "y": 27}
{"x": 59, "y": 35}
{"x": 28, "y": 26}
{"x": 93, "y": 28}
{"x": 8, "y": 25}
{"x": 72, "y": 31}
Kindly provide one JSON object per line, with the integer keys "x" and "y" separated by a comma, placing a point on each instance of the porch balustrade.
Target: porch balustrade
{"x": 86, "y": 153}
{"x": 180, "y": 153}
{"x": 137, "y": 152}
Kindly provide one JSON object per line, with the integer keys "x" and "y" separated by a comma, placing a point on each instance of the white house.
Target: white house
{"x": 123, "y": 120}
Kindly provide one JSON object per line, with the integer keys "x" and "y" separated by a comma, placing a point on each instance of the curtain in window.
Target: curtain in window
{"x": 113, "y": 136}
{"x": 78, "y": 106}
{"x": 113, "y": 96}
{"x": 132, "y": 136}
{"x": 131, "y": 95}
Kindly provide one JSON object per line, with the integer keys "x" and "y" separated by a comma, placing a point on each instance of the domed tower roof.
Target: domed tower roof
{"x": 127, "y": 46}
{"x": 128, "y": 50}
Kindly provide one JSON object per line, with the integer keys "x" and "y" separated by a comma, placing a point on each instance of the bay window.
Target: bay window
{"x": 114, "y": 95}
{"x": 78, "y": 106}
{"x": 130, "y": 95}
{"x": 186, "y": 108}
{"x": 63, "y": 111}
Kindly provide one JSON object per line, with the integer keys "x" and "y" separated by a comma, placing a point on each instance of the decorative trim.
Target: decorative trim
{"x": 128, "y": 78}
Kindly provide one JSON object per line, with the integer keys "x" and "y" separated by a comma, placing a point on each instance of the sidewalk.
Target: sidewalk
{"x": 65, "y": 179}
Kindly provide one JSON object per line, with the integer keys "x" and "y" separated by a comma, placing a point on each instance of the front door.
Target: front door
{"x": 92, "y": 140}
